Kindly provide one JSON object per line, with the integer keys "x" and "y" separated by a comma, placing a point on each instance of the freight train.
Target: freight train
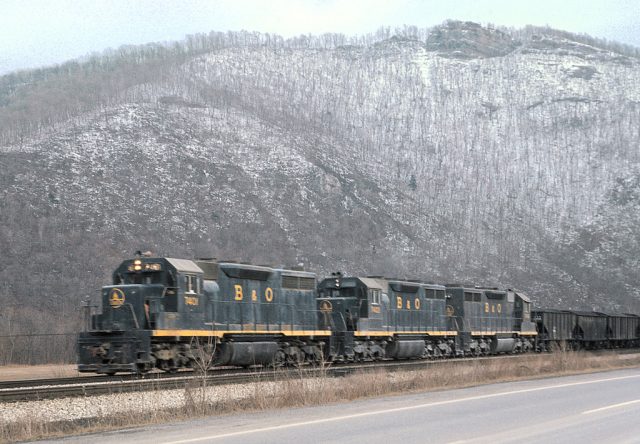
{"x": 170, "y": 314}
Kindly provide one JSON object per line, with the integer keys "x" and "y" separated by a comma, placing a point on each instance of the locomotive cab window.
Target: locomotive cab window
{"x": 171, "y": 280}
{"x": 348, "y": 292}
{"x": 192, "y": 284}
{"x": 375, "y": 296}
{"x": 170, "y": 302}
{"x": 141, "y": 278}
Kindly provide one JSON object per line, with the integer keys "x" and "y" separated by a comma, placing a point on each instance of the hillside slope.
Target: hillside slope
{"x": 472, "y": 155}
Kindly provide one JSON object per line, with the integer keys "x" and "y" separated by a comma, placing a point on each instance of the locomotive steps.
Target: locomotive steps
{"x": 201, "y": 397}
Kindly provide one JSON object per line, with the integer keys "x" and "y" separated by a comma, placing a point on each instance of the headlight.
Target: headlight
{"x": 139, "y": 266}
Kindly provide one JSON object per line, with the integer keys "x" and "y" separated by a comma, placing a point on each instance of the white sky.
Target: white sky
{"x": 42, "y": 32}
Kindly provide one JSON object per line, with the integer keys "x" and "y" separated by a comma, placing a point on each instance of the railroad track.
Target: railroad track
{"x": 30, "y": 390}
{"x": 85, "y": 379}
{"x": 60, "y": 381}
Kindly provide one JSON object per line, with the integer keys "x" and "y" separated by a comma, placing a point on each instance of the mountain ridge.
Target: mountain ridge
{"x": 510, "y": 163}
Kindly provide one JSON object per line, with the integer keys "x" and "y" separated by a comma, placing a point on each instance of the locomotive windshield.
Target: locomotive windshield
{"x": 156, "y": 277}
{"x": 338, "y": 292}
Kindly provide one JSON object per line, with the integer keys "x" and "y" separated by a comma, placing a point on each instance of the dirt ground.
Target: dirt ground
{"x": 19, "y": 372}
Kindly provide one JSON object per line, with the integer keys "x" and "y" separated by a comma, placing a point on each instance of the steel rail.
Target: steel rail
{"x": 15, "y": 391}
{"x": 88, "y": 386}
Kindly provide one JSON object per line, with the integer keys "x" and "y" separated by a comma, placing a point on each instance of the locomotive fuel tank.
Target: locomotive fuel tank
{"x": 502, "y": 345}
{"x": 246, "y": 353}
{"x": 405, "y": 349}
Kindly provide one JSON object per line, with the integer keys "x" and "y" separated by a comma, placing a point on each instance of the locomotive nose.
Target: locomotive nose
{"x": 123, "y": 307}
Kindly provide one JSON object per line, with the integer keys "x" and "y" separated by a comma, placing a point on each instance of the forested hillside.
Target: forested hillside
{"x": 460, "y": 153}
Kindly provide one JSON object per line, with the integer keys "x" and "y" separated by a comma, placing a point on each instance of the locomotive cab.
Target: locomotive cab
{"x": 146, "y": 294}
{"x": 522, "y": 314}
{"x": 346, "y": 304}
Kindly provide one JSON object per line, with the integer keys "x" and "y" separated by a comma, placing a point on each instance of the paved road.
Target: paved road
{"x": 601, "y": 407}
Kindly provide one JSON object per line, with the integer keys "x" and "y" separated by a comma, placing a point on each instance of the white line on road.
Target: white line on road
{"x": 614, "y": 406}
{"x": 397, "y": 409}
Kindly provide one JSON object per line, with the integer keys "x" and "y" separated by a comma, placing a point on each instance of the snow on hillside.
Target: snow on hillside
{"x": 472, "y": 156}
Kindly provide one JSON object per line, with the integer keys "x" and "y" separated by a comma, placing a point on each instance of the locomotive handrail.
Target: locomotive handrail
{"x": 455, "y": 322}
{"x": 133, "y": 315}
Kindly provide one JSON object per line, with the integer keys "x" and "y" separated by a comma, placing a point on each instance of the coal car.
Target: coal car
{"x": 624, "y": 330}
{"x": 574, "y": 330}
{"x": 555, "y": 329}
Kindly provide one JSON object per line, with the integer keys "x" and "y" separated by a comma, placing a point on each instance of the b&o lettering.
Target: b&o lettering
{"x": 238, "y": 292}
{"x": 268, "y": 294}
{"x": 399, "y": 302}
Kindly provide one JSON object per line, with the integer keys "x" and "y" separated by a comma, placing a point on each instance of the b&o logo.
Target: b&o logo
{"x": 116, "y": 298}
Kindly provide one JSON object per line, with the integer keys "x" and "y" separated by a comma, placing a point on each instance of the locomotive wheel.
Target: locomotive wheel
{"x": 171, "y": 370}
{"x": 296, "y": 358}
{"x": 314, "y": 358}
{"x": 279, "y": 359}
{"x": 168, "y": 366}
{"x": 141, "y": 369}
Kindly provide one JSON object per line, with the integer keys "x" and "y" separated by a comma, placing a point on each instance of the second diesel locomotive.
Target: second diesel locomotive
{"x": 375, "y": 317}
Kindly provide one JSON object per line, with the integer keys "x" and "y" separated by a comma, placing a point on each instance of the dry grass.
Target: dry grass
{"x": 64, "y": 371}
{"x": 297, "y": 392}
{"x": 13, "y": 372}
{"x": 301, "y": 391}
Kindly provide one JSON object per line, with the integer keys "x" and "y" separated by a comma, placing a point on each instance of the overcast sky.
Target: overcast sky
{"x": 34, "y": 33}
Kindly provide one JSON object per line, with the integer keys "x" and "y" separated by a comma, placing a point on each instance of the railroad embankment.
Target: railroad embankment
{"x": 57, "y": 417}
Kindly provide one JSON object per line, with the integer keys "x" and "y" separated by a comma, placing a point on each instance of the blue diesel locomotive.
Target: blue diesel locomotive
{"x": 170, "y": 313}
